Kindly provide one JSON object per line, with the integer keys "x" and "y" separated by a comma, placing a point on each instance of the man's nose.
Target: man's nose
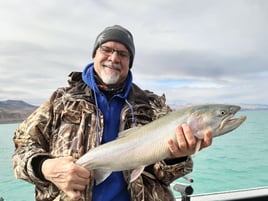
{"x": 114, "y": 57}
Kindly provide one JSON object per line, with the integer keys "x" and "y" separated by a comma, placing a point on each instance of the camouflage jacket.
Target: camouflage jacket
{"x": 65, "y": 125}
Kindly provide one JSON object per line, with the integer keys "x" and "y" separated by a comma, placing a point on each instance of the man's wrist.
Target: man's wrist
{"x": 37, "y": 163}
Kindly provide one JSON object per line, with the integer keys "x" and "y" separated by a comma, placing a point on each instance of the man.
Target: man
{"x": 99, "y": 102}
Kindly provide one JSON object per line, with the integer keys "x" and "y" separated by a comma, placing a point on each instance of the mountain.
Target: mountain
{"x": 14, "y": 111}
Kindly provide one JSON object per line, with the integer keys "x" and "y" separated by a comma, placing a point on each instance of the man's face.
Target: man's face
{"x": 111, "y": 63}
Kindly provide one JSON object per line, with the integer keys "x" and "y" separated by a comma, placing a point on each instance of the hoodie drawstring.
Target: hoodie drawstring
{"x": 132, "y": 111}
{"x": 97, "y": 119}
{"x": 133, "y": 119}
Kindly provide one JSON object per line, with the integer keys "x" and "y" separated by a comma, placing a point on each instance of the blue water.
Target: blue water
{"x": 11, "y": 189}
{"x": 235, "y": 161}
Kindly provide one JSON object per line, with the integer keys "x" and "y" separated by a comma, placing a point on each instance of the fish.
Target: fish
{"x": 138, "y": 147}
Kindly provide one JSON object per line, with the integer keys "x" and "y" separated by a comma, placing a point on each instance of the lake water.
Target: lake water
{"x": 238, "y": 160}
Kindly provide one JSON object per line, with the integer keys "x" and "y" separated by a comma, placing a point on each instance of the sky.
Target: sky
{"x": 192, "y": 51}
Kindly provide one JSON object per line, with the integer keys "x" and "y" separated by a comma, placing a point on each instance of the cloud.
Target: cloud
{"x": 191, "y": 51}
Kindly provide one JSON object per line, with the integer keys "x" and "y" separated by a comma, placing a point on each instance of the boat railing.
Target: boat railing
{"x": 251, "y": 194}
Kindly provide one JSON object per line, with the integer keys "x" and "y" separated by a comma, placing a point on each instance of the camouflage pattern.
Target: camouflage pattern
{"x": 65, "y": 125}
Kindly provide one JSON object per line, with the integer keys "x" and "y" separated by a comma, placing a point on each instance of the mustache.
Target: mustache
{"x": 110, "y": 64}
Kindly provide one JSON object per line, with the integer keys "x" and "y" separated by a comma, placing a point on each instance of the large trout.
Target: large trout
{"x": 138, "y": 147}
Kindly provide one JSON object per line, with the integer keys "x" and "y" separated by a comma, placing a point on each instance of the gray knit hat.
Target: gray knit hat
{"x": 119, "y": 34}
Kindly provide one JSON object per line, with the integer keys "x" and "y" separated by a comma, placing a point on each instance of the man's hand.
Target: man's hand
{"x": 186, "y": 142}
{"x": 66, "y": 175}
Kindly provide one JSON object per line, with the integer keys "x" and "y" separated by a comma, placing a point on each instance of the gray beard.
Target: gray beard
{"x": 109, "y": 78}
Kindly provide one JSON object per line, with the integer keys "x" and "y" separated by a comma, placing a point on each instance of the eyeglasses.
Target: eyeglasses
{"x": 108, "y": 51}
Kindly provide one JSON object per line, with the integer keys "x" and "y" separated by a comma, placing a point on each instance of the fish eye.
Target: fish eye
{"x": 222, "y": 113}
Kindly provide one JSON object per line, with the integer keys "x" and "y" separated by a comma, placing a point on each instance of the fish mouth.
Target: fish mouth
{"x": 230, "y": 123}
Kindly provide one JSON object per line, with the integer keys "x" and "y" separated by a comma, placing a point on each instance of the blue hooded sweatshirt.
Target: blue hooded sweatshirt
{"x": 114, "y": 188}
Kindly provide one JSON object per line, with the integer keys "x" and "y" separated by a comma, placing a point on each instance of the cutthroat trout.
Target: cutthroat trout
{"x": 138, "y": 147}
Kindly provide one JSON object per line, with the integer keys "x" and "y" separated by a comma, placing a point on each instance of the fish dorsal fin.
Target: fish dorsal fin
{"x": 128, "y": 131}
{"x": 101, "y": 174}
{"x": 136, "y": 173}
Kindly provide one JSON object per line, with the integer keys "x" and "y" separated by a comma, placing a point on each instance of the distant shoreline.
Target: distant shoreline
{"x": 14, "y": 111}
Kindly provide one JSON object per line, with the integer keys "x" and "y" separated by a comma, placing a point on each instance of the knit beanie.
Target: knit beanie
{"x": 119, "y": 34}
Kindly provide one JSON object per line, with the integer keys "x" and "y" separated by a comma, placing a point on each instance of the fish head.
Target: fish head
{"x": 218, "y": 118}
{"x": 229, "y": 122}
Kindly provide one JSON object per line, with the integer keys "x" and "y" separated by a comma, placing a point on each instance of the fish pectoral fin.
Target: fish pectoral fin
{"x": 198, "y": 146}
{"x": 136, "y": 173}
{"x": 101, "y": 174}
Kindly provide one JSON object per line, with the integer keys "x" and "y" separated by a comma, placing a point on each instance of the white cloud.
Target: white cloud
{"x": 210, "y": 50}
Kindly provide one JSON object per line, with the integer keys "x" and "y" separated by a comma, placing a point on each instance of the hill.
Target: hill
{"x": 14, "y": 111}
